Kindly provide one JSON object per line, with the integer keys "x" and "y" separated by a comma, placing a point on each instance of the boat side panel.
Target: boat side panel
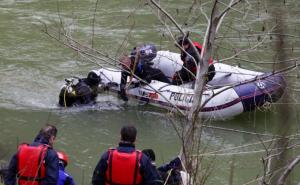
{"x": 228, "y": 75}
{"x": 221, "y": 106}
{"x": 167, "y": 62}
{"x": 224, "y": 105}
{"x": 231, "y": 102}
{"x": 257, "y": 93}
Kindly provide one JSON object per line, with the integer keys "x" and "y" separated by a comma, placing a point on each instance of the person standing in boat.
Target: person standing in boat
{"x": 35, "y": 163}
{"x": 84, "y": 92}
{"x": 64, "y": 177}
{"x": 125, "y": 164}
{"x": 139, "y": 62}
{"x": 190, "y": 61}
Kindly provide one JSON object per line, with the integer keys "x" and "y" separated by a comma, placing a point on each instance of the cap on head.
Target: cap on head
{"x": 128, "y": 133}
{"x": 63, "y": 157}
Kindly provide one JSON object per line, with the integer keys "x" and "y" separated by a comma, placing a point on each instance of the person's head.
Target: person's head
{"x": 183, "y": 42}
{"x": 150, "y": 154}
{"x": 93, "y": 79}
{"x": 145, "y": 53}
{"x": 125, "y": 62}
{"x": 128, "y": 134}
{"x": 63, "y": 158}
{"x": 49, "y": 133}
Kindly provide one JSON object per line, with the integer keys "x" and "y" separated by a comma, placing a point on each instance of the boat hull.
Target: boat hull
{"x": 219, "y": 102}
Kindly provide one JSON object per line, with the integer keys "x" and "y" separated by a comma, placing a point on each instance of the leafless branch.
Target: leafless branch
{"x": 288, "y": 170}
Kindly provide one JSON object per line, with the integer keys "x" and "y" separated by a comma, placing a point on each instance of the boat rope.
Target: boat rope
{"x": 267, "y": 106}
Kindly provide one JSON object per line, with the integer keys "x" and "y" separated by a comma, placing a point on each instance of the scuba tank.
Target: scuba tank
{"x": 67, "y": 95}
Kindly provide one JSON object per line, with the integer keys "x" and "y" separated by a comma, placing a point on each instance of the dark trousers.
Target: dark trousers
{"x": 184, "y": 75}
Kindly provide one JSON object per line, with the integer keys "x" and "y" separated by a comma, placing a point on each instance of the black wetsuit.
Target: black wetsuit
{"x": 84, "y": 93}
{"x": 189, "y": 69}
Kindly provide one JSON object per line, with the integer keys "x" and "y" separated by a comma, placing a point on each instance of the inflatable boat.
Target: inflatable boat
{"x": 232, "y": 91}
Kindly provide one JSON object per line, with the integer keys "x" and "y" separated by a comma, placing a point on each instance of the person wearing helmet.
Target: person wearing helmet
{"x": 190, "y": 61}
{"x": 64, "y": 178}
{"x": 84, "y": 92}
{"x": 140, "y": 62}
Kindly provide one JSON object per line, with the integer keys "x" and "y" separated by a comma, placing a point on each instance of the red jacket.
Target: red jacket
{"x": 199, "y": 48}
{"x": 31, "y": 164}
{"x": 123, "y": 168}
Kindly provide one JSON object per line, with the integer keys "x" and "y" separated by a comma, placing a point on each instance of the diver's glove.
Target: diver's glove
{"x": 122, "y": 94}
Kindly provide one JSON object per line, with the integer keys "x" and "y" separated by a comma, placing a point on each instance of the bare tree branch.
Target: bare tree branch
{"x": 288, "y": 170}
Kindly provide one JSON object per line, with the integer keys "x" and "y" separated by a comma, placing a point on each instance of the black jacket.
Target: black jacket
{"x": 189, "y": 69}
{"x": 84, "y": 93}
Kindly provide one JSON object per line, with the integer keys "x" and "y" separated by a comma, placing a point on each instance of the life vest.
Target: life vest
{"x": 199, "y": 48}
{"x": 31, "y": 165}
{"x": 123, "y": 168}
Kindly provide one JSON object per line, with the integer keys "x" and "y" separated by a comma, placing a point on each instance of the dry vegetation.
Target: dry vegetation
{"x": 276, "y": 159}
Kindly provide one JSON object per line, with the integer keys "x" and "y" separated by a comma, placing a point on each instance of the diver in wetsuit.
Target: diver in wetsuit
{"x": 82, "y": 93}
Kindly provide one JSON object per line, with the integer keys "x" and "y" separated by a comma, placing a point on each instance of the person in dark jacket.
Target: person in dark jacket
{"x": 84, "y": 92}
{"x": 64, "y": 177}
{"x": 37, "y": 163}
{"x": 139, "y": 61}
{"x": 169, "y": 172}
{"x": 190, "y": 62}
{"x": 125, "y": 164}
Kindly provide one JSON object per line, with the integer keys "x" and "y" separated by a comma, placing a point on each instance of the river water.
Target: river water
{"x": 33, "y": 67}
